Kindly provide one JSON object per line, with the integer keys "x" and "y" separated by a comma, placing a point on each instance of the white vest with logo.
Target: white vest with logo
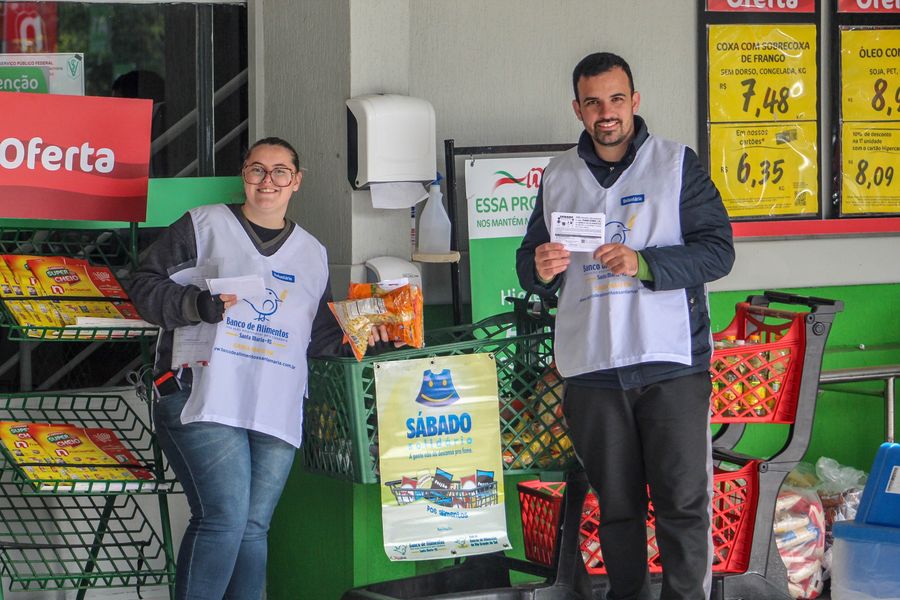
{"x": 606, "y": 321}
{"x": 257, "y": 373}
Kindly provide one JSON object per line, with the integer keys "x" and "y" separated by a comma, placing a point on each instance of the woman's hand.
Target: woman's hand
{"x": 228, "y": 300}
{"x": 379, "y": 333}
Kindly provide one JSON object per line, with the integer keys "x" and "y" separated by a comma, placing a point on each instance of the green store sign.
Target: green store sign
{"x": 23, "y": 79}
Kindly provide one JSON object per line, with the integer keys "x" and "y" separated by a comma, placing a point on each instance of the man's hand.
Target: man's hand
{"x": 618, "y": 258}
{"x": 550, "y": 259}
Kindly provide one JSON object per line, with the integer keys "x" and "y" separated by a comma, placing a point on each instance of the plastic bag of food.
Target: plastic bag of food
{"x": 840, "y": 491}
{"x": 357, "y": 317}
{"x": 410, "y": 330}
{"x": 799, "y": 530}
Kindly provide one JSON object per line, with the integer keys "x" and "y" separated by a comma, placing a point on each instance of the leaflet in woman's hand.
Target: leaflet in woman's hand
{"x": 244, "y": 286}
{"x": 578, "y": 232}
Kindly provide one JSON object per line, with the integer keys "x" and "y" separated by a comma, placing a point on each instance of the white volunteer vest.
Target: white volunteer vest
{"x": 257, "y": 373}
{"x": 606, "y": 321}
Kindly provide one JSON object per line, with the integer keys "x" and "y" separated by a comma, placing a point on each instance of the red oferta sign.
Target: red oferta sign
{"x": 771, "y": 6}
{"x": 74, "y": 157}
{"x": 869, "y": 6}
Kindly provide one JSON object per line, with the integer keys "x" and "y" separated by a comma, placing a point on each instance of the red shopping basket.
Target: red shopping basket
{"x": 756, "y": 366}
{"x": 734, "y": 515}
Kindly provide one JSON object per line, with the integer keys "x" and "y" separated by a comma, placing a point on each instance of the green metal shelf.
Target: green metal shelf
{"x": 97, "y": 246}
{"x": 77, "y": 542}
{"x": 84, "y": 410}
{"x": 94, "y": 534}
{"x": 27, "y": 333}
{"x": 80, "y": 535}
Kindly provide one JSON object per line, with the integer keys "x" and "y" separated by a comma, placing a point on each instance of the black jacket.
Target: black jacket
{"x": 707, "y": 255}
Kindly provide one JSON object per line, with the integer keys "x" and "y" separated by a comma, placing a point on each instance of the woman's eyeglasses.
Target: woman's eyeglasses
{"x": 255, "y": 174}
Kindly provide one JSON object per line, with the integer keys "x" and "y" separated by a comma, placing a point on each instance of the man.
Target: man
{"x": 632, "y": 328}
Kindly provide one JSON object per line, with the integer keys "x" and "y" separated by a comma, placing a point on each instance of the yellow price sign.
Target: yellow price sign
{"x": 762, "y": 73}
{"x": 870, "y": 74}
{"x": 870, "y": 168}
{"x": 765, "y": 169}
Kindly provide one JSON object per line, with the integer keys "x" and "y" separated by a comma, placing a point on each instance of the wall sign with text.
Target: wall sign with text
{"x": 73, "y": 157}
{"x": 762, "y": 118}
{"x": 439, "y": 457}
{"x": 870, "y": 120}
{"x": 761, "y": 6}
{"x": 766, "y": 168}
{"x": 500, "y": 193}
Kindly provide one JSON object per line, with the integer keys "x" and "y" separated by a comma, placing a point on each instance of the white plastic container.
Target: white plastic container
{"x": 433, "y": 235}
{"x": 866, "y": 563}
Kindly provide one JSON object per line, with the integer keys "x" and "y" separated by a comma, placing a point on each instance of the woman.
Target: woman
{"x": 230, "y": 429}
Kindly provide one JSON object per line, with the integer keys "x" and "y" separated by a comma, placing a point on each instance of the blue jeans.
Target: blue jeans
{"x": 232, "y": 478}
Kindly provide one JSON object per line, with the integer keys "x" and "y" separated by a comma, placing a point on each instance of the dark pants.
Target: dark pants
{"x": 657, "y": 435}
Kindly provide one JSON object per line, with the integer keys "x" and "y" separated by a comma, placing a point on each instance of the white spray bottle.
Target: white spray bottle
{"x": 434, "y": 224}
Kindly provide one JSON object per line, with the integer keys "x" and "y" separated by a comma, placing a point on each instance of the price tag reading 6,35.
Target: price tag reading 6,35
{"x": 764, "y": 170}
{"x": 870, "y": 74}
{"x": 762, "y": 73}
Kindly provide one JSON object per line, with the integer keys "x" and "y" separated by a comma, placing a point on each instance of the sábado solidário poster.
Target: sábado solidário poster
{"x": 441, "y": 471}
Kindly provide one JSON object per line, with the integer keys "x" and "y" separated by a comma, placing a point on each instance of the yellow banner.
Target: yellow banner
{"x": 870, "y": 74}
{"x": 870, "y": 168}
{"x": 439, "y": 457}
{"x": 764, "y": 169}
{"x": 762, "y": 73}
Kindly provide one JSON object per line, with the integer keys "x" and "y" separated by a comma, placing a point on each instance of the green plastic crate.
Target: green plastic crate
{"x": 340, "y": 424}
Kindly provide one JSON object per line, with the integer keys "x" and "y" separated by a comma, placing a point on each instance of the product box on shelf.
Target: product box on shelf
{"x": 58, "y": 297}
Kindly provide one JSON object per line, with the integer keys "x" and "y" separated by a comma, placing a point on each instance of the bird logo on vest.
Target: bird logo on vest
{"x": 437, "y": 389}
{"x": 268, "y": 306}
{"x": 617, "y": 231}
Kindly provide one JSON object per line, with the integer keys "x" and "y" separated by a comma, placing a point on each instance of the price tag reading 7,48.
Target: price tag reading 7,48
{"x": 762, "y": 73}
{"x": 764, "y": 170}
{"x": 870, "y": 74}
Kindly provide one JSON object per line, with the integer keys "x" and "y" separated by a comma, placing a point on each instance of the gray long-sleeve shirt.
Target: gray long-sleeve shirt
{"x": 163, "y": 302}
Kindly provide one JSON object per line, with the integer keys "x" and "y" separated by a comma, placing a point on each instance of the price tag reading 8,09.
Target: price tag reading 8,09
{"x": 762, "y": 73}
{"x": 870, "y": 169}
{"x": 870, "y": 74}
{"x": 764, "y": 169}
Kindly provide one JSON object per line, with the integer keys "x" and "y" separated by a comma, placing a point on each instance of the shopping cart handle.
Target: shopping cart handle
{"x": 813, "y": 302}
{"x": 731, "y": 456}
{"x": 534, "y": 308}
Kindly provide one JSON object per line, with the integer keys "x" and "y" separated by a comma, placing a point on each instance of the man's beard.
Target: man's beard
{"x": 604, "y": 138}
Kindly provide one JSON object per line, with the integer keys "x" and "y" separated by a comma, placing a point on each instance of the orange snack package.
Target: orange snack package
{"x": 410, "y": 330}
{"x": 397, "y": 307}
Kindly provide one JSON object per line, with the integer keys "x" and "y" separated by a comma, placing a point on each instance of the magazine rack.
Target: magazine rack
{"x": 80, "y": 535}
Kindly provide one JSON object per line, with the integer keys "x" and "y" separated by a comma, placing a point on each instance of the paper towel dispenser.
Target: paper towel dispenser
{"x": 390, "y": 138}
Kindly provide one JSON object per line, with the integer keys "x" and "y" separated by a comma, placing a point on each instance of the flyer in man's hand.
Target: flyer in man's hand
{"x": 578, "y": 232}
